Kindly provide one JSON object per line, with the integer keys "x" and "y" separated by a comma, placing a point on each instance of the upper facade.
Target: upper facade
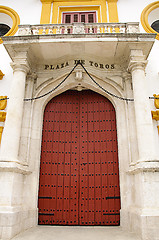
{"x": 53, "y": 11}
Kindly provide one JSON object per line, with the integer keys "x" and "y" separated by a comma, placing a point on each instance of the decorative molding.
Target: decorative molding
{"x": 156, "y": 101}
{"x": 1, "y": 75}
{"x": 155, "y": 115}
{"x": 149, "y": 166}
{"x": 7, "y": 166}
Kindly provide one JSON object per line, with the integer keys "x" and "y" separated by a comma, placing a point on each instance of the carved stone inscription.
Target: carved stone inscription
{"x": 83, "y": 62}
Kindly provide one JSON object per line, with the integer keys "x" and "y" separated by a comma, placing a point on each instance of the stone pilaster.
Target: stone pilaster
{"x": 143, "y": 117}
{"x": 12, "y": 129}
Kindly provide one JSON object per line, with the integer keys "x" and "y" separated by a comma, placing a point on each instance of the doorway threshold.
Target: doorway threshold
{"x": 76, "y": 232}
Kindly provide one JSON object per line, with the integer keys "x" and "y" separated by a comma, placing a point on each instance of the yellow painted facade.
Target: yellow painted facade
{"x": 45, "y": 13}
{"x": 55, "y": 8}
{"x": 113, "y": 12}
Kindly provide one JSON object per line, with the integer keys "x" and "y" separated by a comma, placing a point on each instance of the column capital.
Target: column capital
{"x": 136, "y": 60}
{"x": 135, "y": 65}
{"x": 127, "y": 76}
{"x": 23, "y": 67}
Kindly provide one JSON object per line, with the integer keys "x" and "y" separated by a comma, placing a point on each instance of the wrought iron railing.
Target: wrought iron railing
{"x": 78, "y": 28}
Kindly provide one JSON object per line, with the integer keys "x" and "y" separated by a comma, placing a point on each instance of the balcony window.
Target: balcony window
{"x": 83, "y": 17}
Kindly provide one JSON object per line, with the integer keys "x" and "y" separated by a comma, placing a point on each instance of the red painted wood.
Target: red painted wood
{"x": 86, "y": 17}
{"x": 79, "y": 175}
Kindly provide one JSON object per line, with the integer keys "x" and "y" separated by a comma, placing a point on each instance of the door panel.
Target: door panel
{"x": 79, "y": 175}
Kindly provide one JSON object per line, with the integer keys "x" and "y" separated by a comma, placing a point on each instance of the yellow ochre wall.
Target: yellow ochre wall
{"x": 52, "y": 9}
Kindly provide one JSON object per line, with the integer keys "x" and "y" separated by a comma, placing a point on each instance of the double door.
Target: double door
{"x": 79, "y": 175}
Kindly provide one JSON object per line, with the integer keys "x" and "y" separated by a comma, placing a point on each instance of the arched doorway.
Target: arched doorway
{"x": 79, "y": 174}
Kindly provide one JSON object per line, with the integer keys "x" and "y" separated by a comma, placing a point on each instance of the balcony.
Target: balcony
{"x": 78, "y": 28}
{"x": 99, "y": 42}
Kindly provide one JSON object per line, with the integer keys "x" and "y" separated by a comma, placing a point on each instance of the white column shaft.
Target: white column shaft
{"x": 143, "y": 116}
{"x": 12, "y": 129}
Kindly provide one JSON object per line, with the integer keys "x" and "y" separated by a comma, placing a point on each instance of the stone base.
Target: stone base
{"x": 145, "y": 226}
{"x": 13, "y": 222}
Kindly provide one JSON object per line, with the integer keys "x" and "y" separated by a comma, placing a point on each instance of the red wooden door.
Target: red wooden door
{"x": 79, "y": 175}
